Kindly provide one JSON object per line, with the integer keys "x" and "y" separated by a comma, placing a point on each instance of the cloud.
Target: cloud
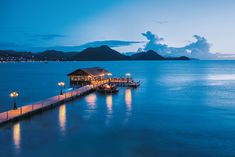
{"x": 198, "y": 49}
{"x": 154, "y": 43}
{"x": 110, "y": 43}
{"x": 152, "y": 37}
{"x": 37, "y": 37}
{"x": 11, "y": 46}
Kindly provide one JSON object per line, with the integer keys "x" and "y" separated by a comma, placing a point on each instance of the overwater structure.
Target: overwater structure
{"x": 87, "y": 80}
{"x": 87, "y": 76}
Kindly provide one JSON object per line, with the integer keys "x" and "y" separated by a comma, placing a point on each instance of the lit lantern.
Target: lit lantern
{"x": 14, "y": 95}
{"x": 61, "y": 84}
{"x": 128, "y": 75}
{"x": 107, "y": 86}
{"x": 109, "y": 76}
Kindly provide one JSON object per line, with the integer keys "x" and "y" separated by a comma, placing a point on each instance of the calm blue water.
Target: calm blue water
{"x": 182, "y": 108}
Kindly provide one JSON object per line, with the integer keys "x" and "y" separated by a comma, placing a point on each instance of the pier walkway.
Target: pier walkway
{"x": 27, "y": 110}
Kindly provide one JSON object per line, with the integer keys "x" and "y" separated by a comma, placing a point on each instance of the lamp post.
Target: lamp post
{"x": 109, "y": 75}
{"x": 128, "y": 75}
{"x": 14, "y": 95}
{"x": 61, "y": 84}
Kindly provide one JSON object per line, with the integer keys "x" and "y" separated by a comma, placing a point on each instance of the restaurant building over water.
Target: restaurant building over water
{"x": 85, "y": 76}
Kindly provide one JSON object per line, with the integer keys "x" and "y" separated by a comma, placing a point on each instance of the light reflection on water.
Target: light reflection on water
{"x": 91, "y": 101}
{"x": 62, "y": 118}
{"x": 109, "y": 102}
{"x": 190, "y": 78}
{"x": 188, "y": 106}
{"x": 16, "y": 136}
{"x": 91, "y": 105}
{"x": 128, "y": 99}
{"x": 221, "y": 77}
{"x": 128, "y": 102}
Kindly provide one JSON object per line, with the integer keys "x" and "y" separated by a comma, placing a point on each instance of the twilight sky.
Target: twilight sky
{"x": 51, "y": 23}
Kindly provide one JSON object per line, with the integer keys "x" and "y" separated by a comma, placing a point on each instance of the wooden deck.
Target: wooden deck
{"x": 124, "y": 82}
{"x": 30, "y": 109}
{"x": 27, "y": 110}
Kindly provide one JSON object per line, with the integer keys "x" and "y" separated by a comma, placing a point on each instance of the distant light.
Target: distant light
{"x": 14, "y": 94}
{"x": 61, "y": 84}
{"x": 107, "y": 86}
{"x": 109, "y": 74}
{"x": 128, "y": 74}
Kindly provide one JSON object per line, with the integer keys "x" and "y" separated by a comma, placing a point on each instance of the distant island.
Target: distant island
{"x": 102, "y": 53}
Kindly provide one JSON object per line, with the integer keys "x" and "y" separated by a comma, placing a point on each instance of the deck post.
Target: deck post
{"x": 21, "y": 110}
{"x": 7, "y": 114}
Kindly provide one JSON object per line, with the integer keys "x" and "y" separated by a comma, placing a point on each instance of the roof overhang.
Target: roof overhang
{"x": 95, "y": 71}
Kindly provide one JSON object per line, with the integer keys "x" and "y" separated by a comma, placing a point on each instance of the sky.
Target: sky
{"x": 74, "y": 24}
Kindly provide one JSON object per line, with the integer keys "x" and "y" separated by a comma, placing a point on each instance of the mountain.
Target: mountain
{"x": 102, "y": 53}
{"x": 15, "y": 54}
{"x": 152, "y": 55}
{"x": 129, "y": 53}
{"x": 149, "y": 55}
{"x": 179, "y": 58}
{"x": 55, "y": 55}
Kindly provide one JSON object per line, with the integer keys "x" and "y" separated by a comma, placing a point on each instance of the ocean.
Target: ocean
{"x": 182, "y": 108}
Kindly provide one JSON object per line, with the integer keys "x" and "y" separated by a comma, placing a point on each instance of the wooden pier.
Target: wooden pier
{"x": 28, "y": 110}
{"x": 88, "y": 78}
{"x": 124, "y": 82}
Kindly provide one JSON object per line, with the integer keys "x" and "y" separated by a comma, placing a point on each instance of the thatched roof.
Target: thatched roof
{"x": 95, "y": 71}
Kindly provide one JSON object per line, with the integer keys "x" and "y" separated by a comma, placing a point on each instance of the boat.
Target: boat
{"x": 134, "y": 84}
{"x": 107, "y": 89}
